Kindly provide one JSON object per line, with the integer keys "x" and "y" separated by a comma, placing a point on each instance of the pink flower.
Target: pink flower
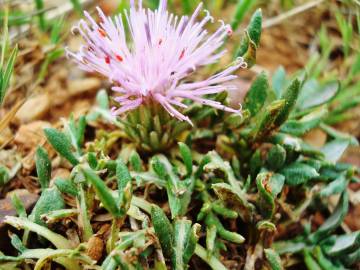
{"x": 164, "y": 50}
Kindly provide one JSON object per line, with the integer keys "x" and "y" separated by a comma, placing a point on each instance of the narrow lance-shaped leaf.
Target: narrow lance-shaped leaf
{"x": 43, "y": 167}
{"x": 251, "y": 40}
{"x": 6, "y": 75}
{"x": 66, "y": 186}
{"x": 273, "y": 259}
{"x": 334, "y": 220}
{"x": 186, "y": 156}
{"x": 344, "y": 244}
{"x": 163, "y": 230}
{"x": 266, "y": 123}
{"x": 102, "y": 191}
{"x": 61, "y": 144}
{"x": 257, "y": 94}
{"x": 182, "y": 229}
{"x": 290, "y": 96}
{"x": 241, "y": 8}
{"x": 40, "y": 8}
{"x": 122, "y": 174}
{"x": 18, "y": 205}
{"x": 298, "y": 173}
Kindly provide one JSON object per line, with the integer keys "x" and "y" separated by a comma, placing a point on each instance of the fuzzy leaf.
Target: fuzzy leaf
{"x": 66, "y": 186}
{"x": 290, "y": 96}
{"x": 49, "y": 200}
{"x": 122, "y": 174}
{"x": 186, "y": 157}
{"x": 135, "y": 161}
{"x": 43, "y": 167}
{"x": 61, "y": 144}
{"x": 298, "y": 173}
{"x": 276, "y": 157}
{"x": 257, "y": 94}
{"x": 273, "y": 259}
{"x": 163, "y": 230}
{"x": 268, "y": 119}
{"x": 252, "y": 34}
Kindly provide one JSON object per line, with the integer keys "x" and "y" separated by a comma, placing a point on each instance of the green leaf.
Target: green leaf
{"x": 254, "y": 27}
{"x": 56, "y": 30}
{"x": 310, "y": 262}
{"x": 77, "y": 6}
{"x": 4, "y": 175}
{"x": 186, "y": 157}
{"x": 269, "y": 186}
{"x": 273, "y": 259}
{"x": 290, "y": 96}
{"x": 163, "y": 230}
{"x": 289, "y": 246}
{"x": 242, "y": 7}
{"x": 18, "y": 205}
{"x": 61, "y": 144}
{"x": 182, "y": 229}
{"x": 41, "y": 16}
{"x": 49, "y": 200}
{"x": 135, "y": 161}
{"x": 335, "y": 149}
{"x": 103, "y": 192}
{"x": 66, "y": 186}
{"x": 298, "y": 173}
{"x": 17, "y": 243}
{"x": 6, "y": 75}
{"x": 352, "y": 258}
{"x": 335, "y": 187}
{"x": 306, "y": 123}
{"x": 315, "y": 94}
{"x": 212, "y": 220}
{"x": 266, "y": 124}
{"x": 279, "y": 81}
{"x": 236, "y": 200}
{"x": 344, "y": 244}
{"x": 122, "y": 174}
{"x": 334, "y": 220}
{"x": 323, "y": 261}
{"x": 276, "y": 157}
{"x": 43, "y": 167}
{"x": 191, "y": 243}
{"x": 257, "y": 94}
{"x": 210, "y": 238}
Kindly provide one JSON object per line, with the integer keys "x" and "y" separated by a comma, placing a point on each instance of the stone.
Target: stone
{"x": 34, "y": 108}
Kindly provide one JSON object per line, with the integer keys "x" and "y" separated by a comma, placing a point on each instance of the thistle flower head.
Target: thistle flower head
{"x": 164, "y": 50}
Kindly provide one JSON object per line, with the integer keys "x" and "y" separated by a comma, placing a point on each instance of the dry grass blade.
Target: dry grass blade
{"x": 4, "y": 122}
